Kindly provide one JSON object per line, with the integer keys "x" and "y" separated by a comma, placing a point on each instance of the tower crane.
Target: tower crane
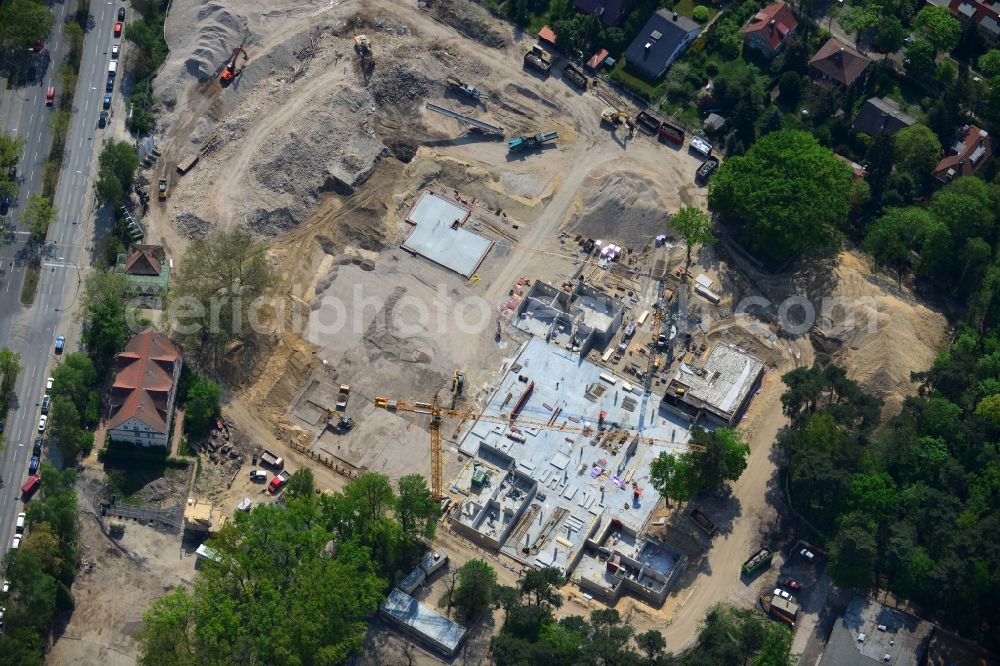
{"x": 513, "y": 420}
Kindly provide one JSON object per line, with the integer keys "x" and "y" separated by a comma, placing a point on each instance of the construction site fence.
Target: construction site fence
{"x": 344, "y": 470}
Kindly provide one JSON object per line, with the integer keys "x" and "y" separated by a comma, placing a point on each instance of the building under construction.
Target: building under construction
{"x": 550, "y": 496}
{"x": 718, "y": 388}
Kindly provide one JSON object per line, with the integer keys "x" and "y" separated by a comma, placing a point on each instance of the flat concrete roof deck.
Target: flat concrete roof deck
{"x": 724, "y": 379}
{"x": 433, "y": 237}
{"x": 578, "y": 482}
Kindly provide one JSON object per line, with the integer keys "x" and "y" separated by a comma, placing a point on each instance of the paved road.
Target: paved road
{"x": 32, "y": 332}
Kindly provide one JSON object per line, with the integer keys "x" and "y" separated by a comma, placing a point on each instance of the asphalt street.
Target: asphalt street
{"x": 31, "y": 332}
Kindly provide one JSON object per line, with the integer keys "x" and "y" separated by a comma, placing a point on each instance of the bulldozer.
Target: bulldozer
{"x": 230, "y": 72}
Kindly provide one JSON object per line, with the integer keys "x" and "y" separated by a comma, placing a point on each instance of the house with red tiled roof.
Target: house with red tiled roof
{"x": 145, "y": 389}
{"x": 146, "y": 269}
{"x": 770, "y": 28}
{"x": 973, "y": 147}
{"x": 984, "y": 13}
{"x": 838, "y": 62}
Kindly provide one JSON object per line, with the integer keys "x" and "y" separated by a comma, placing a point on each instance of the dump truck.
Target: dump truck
{"x": 162, "y": 189}
{"x": 576, "y": 75}
{"x": 272, "y": 460}
{"x": 521, "y": 143}
{"x": 758, "y": 561}
{"x": 343, "y": 396}
{"x": 700, "y": 146}
{"x": 706, "y": 525}
{"x": 648, "y": 122}
{"x": 464, "y": 88}
{"x": 670, "y": 132}
{"x": 706, "y": 169}
{"x": 537, "y": 59}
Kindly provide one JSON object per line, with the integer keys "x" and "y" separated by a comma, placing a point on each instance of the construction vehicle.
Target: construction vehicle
{"x": 576, "y": 75}
{"x": 521, "y": 143}
{"x": 272, "y": 459}
{"x": 345, "y": 424}
{"x": 701, "y": 146}
{"x": 457, "y": 387}
{"x": 465, "y": 88}
{"x": 437, "y": 414}
{"x": 758, "y": 561}
{"x": 470, "y": 122}
{"x": 363, "y": 46}
{"x": 613, "y": 116}
{"x": 163, "y": 189}
{"x": 538, "y": 59}
{"x": 230, "y": 72}
{"x": 648, "y": 122}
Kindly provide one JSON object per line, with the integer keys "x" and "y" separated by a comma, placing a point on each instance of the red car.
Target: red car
{"x": 118, "y": 29}
{"x": 50, "y": 96}
{"x": 30, "y": 486}
{"x": 791, "y": 584}
{"x": 278, "y": 481}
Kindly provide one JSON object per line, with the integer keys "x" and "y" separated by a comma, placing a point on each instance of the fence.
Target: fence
{"x": 347, "y": 472}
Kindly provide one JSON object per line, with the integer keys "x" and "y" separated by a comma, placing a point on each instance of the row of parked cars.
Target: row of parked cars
{"x": 116, "y": 49}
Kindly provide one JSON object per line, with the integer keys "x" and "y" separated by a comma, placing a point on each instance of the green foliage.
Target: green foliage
{"x": 788, "y": 194}
{"x": 104, "y": 310}
{"x": 24, "y": 23}
{"x": 989, "y": 63}
{"x": 891, "y": 34}
{"x": 938, "y": 27}
{"x": 917, "y": 151}
{"x": 477, "y": 582}
{"x": 673, "y": 476}
{"x": 118, "y": 163}
{"x": 201, "y": 405}
{"x": 39, "y": 214}
{"x": 988, "y": 409}
{"x": 10, "y": 366}
{"x": 147, "y": 34}
{"x": 790, "y": 88}
{"x": 700, "y": 14}
{"x": 72, "y": 388}
{"x": 695, "y": 227}
{"x": 893, "y": 237}
{"x": 920, "y": 58}
{"x": 220, "y": 279}
{"x": 143, "y": 103}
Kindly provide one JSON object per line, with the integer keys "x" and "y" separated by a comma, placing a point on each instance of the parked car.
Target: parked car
{"x": 115, "y": 51}
{"x": 37, "y": 450}
{"x": 778, "y": 592}
{"x": 16, "y": 543}
{"x": 258, "y": 475}
{"x": 792, "y": 584}
{"x": 19, "y": 524}
{"x": 808, "y": 554}
{"x": 33, "y": 465}
{"x": 60, "y": 343}
{"x": 111, "y": 83}
{"x": 107, "y": 102}
{"x": 102, "y": 120}
{"x": 6, "y": 586}
{"x": 121, "y": 13}
{"x": 29, "y": 486}
{"x": 46, "y": 401}
{"x": 50, "y": 96}
{"x": 41, "y": 422}
{"x": 48, "y": 383}
{"x": 4, "y": 204}
{"x": 118, "y": 29}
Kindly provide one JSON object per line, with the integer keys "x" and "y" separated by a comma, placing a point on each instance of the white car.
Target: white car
{"x": 808, "y": 554}
{"x": 42, "y": 420}
{"x": 48, "y": 383}
{"x": 19, "y": 525}
{"x": 6, "y": 586}
{"x": 17, "y": 542}
{"x": 115, "y": 50}
{"x": 778, "y": 592}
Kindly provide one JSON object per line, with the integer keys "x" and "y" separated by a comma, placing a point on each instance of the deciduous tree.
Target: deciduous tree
{"x": 695, "y": 227}
{"x": 477, "y": 582}
{"x": 938, "y": 27}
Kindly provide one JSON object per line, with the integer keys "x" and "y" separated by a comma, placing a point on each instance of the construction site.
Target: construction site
{"x": 479, "y": 283}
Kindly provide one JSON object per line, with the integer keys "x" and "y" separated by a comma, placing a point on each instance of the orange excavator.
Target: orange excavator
{"x": 230, "y": 72}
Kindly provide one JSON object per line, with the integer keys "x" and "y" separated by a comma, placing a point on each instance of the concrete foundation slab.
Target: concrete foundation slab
{"x": 436, "y": 237}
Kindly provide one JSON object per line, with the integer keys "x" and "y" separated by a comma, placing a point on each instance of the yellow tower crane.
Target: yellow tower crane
{"x": 437, "y": 414}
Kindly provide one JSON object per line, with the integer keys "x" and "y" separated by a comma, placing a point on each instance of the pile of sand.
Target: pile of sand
{"x": 622, "y": 207}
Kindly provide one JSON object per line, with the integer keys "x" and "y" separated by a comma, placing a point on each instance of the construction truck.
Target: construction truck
{"x": 670, "y": 132}
{"x": 706, "y": 169}
{"x": 537, "y": 59}
{"x": 648, "y": 122}
{"x": 758, "y": 561}
{"x": 363, "y": 46}
{"x": 230, "y": 72}
{"x": 576, "y": 75}
{"x": 273, "y": 460}
{"x": 613, "y": 116}
{"x": 522, "y": 143}
{"x": 464, "y": 88}
{"x": 163, "y": 189}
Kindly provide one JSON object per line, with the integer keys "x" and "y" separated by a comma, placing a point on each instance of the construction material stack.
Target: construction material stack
{"x": 522, "y": 143}
{"x": 576, "y": 75}
{"x": 537, "y": 59}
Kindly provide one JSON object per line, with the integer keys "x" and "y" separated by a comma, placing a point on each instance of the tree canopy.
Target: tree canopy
{"x": 24, "y": 23}
{"x": 118, "y": 163}
{"x": 787, "y": 195}
{"x": 938, "y": 27}
{"x": 695, "y": 227}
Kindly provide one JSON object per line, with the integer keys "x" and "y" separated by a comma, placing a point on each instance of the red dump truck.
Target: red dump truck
{"x": 670, "y": 132}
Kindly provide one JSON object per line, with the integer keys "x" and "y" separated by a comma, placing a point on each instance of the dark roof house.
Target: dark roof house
{"x": 971, "y": 150}
{"x": 610, "y": 12}
{"x": 837, "y": 62}
{"x": 659, "y": 43}
{"x": 984, "y": 13}
{"x": 770, "y": 28}
{"x": 881, "y": 114}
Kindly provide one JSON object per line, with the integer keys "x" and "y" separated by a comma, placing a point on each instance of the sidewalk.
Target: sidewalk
{"x": 175, "y": 443}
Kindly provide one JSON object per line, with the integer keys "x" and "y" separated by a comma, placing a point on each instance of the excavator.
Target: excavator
{"x": 230, "y": 72}
{"x": 614, "y": 117}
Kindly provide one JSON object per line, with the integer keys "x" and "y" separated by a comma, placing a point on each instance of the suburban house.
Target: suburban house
{"x": 971, "y": 150}
{"x": 770, "y": 28}
{"x": 661, "y": 41}
{"x": 146, "y": 268}
{"x": 145, "y": 389}
{"x": 880, "y": 114}
{"x": 838, "y": 62}
{"x": 611, "y": 12}
{"x": 984, "y": 13}
{"x": 547, "y": 35}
